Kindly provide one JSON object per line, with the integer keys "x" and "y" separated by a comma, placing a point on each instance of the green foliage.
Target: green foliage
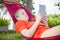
{"x": 23, "y": 2}
{"x": 9, "y": 36}
{"x": 4, "y": 22}
{"x": 58, "y": 4}
{"x": 0, "y": 1}
{"x": 54, "y": 19}
{"x": 0, "y": 5}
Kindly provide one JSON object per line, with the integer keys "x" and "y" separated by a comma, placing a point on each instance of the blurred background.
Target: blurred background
{"x": 6, "y": 24}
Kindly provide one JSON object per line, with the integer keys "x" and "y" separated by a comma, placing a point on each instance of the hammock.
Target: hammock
{"x": 12, "y": 8}
{"x": 47, "y": 38}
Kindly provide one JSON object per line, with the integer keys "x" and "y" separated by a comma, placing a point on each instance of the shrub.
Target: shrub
{"x": 54, "y": 19}
{"x": 4, "y": 22}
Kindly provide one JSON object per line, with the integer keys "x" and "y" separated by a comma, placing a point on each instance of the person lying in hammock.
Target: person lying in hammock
{"x": 29, "y": 28}
{"x": 35, "y": 29}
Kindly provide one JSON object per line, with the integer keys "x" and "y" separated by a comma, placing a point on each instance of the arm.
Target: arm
{"x": 31, "y": 31}
{"x": 45, "y": 20}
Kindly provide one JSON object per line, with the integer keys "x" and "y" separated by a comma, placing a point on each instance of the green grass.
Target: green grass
{"x": 9, "y": 36}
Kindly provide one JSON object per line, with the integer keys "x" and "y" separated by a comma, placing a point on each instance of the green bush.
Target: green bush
{"x": 0, "y": 1}
{"x": 4, "y": 22}
{"x": 54, "y": 19}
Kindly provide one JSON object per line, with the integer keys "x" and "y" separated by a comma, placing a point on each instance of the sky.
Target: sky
{"x": 50, "y": 6}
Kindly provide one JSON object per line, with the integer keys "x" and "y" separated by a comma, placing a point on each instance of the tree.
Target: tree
{"x": 58, "y": 4}
{"x": 28, "y": 4}
{"x": 0, "y": 1}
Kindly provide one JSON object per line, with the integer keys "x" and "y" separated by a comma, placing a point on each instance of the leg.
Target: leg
{"x": 51, "y": 32}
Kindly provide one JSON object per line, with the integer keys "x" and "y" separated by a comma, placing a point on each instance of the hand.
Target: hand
{"x": 44, "y": 19}
{"x": 38, "y": 17}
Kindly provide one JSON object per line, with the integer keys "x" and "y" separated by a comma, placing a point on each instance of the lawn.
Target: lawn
{"x": 10, "y": 36}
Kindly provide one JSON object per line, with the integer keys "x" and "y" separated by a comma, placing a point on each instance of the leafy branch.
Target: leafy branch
{"x": 58, "y": 4}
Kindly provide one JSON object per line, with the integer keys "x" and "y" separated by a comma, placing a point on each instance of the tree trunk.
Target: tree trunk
{"x": 29, "y": 5}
